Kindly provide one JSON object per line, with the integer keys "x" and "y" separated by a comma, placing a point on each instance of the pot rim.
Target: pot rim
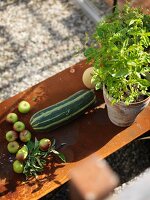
{"x": 123, "y": 103}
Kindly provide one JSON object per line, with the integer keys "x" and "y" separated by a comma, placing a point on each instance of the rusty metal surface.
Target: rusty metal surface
{"x": 145, "y": 5}
{"x": 90, "y": 133}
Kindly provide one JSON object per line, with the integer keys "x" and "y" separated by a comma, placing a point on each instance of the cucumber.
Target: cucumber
{"x": 60, "y": 113}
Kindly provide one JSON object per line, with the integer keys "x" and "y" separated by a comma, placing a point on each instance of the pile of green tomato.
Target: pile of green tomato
{"x": 19, "y": 132}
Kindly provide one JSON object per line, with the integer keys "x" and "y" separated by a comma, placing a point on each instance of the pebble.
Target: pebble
{"x": 37, "y": 40}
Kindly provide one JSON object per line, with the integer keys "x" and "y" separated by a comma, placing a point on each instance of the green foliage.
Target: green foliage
{"x": 36, "y": 159}
{"x": 120, "y": 54}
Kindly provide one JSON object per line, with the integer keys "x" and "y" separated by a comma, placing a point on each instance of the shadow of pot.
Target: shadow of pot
{"x": 121, "y": 114}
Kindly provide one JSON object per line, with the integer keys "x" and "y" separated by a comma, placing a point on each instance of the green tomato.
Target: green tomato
{"x": 24, "y": 107}
{"x": 22, "y": 153}
{"x": 18, "y": 166}
{"x": 25, "y": 136}
{"x": 19, "y": 126}
{"x": 12, "y": 118}
{"x": 11, "y": 136}
{"x": 87, "y": 77}
{"x": 44, "y": 144}
{"x": 13, "y": 147}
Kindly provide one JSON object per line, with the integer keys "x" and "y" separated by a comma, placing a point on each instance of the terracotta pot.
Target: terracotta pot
{"x": 121, "y": 114}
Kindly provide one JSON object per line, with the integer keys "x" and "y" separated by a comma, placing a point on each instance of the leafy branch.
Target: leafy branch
{"x": 120, "y": 55}
{"x": 36, "y": 159}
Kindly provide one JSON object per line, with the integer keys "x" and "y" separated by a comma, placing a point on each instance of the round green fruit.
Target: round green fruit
{"x": 12, "y": 118}
{"x": 25, "y": 136}
{"x": 87, "y": 78}
{"x": 18, "y": 166}
{"x": 19, "y": 126}
{"x": 22, "y": 153}
{"x": 44, "y": 144}
{"x": 24, "y": 107}
{"x": 11, "y": 136}
{"x": 13, "y": 147}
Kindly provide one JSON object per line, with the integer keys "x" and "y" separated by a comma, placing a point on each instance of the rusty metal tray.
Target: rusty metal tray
{"x": 90, "y": 133}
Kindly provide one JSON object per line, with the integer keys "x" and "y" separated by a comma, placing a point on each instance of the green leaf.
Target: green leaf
{"x": 132, "y": 22}
{"x": 144, "y": 82}
{"x": 36, "y": 143}
{"x": 53, "y": 143}
{"x": 62, "y": 157}
{"x": 55, "y": 152}
{"x": 121, "y": 73}
{"x": 38, "y": 160}
{"x": 131, "y": 63}
{"x": 30, "y": 145}
{"x": 147, "y": 76}
{"x": 37, "y": 167}
{"x": 98, "y": 86}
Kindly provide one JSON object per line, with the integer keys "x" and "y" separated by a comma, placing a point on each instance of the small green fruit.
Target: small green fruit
{"x": 24, "y": 107}
{"x": 87, "y": 77}
{"x": 18, "y": 166}
{"x": 44, "y": 144}
{"x": 19, "y": 126}
{"x": 25, "y": 136}
{"x": 11, "y": 136}
{"x": 13, "y": 147}
{"x": 22, "y": 153}
{"x": 12, "y": 118}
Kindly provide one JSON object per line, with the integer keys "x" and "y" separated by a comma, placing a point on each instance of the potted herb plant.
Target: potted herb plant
{"x": 121, "y": 59}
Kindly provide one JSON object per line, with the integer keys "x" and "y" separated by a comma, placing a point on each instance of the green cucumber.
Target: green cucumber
{"x": 60, "y": 113}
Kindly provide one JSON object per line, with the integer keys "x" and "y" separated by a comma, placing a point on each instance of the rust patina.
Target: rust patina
{"x": 90, "y": 133}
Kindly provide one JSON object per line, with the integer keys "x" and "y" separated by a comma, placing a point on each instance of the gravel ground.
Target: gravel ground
{"x": 38, "y": 38}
